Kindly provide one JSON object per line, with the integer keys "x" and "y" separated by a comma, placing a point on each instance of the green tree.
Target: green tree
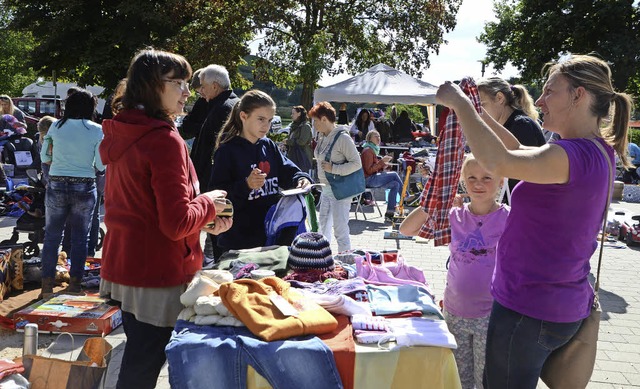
{"x": 530, "y": 33}
{"x": 92, "y": 41}
{"x": 304, "y": 38}
{"x": 217, "y": 32}
{"x": 15, "y": 74}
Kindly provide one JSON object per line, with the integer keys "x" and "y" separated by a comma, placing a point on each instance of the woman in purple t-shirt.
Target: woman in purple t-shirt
{"x": 540, "y": 283}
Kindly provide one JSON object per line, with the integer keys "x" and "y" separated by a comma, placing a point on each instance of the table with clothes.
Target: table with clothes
{"x": 362, "y": 319}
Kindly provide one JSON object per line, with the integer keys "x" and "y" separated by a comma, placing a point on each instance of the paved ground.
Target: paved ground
{"x": 618, "y": 359}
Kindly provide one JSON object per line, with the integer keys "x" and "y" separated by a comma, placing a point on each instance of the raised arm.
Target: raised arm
{"x": 548, "y": 164}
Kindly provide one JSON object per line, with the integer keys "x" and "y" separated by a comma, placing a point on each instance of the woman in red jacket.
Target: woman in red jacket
{"x": 374, "y": 171}
{"x": 153, "y": 211}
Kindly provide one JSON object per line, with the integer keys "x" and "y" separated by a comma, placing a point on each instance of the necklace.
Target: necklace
{"x": 481, "y": 217}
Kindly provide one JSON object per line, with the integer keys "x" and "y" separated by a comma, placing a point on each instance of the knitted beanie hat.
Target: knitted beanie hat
{"x": 310, "y": 250}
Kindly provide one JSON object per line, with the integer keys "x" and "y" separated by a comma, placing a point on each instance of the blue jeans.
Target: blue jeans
{"x": 73, "y": 203}
{"x": 217, "y": 357}
{"x": 518, "y": 345}
{"x": 387, "y": 180}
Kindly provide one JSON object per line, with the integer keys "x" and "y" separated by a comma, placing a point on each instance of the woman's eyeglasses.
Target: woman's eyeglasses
{"x": 182, "y": 84}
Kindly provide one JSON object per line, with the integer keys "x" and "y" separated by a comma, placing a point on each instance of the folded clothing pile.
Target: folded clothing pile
{"x": 273, "y": 311}
{"x": 201, "y": 306}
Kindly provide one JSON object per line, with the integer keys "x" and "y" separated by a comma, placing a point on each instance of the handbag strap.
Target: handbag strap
{"x": 606, "y": 211}
{"x": 327, "y": 156}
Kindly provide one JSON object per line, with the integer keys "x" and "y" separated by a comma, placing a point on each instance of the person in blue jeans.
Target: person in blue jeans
{"x": 71, "y": 145}
{"x": 374, "y": 171}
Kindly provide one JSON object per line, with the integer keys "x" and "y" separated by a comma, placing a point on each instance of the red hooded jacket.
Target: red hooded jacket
{"x": 153, "y": 212}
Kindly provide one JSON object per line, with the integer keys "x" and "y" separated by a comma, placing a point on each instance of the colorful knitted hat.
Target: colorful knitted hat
{"x": 310, "y": 250}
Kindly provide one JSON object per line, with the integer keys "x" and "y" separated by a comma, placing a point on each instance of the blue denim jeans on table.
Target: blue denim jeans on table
{"x": 518, "y": 345}
{"x": 217, "y": 357}
{"x": 387, "y": 180}
{"x": 70, "y": 203}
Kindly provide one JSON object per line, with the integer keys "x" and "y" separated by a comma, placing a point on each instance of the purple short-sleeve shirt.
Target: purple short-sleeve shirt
{"x": 543, "y": 255}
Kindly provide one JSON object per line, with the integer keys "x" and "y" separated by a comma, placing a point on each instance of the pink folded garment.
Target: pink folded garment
{"x": 390, "y": 273}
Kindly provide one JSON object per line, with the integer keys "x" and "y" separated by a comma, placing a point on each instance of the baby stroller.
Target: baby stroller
{"x": 32, "y": 222}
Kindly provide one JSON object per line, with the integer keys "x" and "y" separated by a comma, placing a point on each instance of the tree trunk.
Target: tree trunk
{"x": 307, "y": 93}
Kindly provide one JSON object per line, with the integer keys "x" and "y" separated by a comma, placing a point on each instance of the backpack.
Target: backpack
{"x": 285, "y": 219}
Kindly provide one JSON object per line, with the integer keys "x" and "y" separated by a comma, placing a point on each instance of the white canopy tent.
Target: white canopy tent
{"x": 382, "y": 84}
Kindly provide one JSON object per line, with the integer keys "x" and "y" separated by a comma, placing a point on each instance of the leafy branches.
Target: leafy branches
{"x": 530, "y": 33}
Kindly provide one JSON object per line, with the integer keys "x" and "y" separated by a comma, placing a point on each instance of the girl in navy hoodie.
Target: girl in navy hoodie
{"x": 251, "y": 169}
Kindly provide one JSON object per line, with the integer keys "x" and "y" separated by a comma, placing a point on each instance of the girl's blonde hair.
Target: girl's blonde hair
{"x": 43, "y": 125}
{"x": 250, "y": 101}
{"x": 11, "y": 106}
{"x": 468, "y": 159}
{"x": 594, "y": 75}
{"x": 517, "y": 96}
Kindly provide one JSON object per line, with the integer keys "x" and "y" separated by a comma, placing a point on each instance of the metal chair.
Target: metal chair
{"x": 359, "y": 204}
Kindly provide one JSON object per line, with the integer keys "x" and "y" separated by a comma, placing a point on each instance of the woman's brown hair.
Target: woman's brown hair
{"x": 144, "y": 82}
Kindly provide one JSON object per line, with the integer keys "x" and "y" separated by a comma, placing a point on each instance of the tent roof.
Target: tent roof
{"x": 380, "y": 84}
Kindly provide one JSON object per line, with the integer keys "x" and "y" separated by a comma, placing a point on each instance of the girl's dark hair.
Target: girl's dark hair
{"x": 79, "y": 105}
{"x": 321, "y": 109}
{"x": 250, "y": 101}
{"x": 303, "y": 113}
{"x": 360, "y": 123}
{"x": 144, "y": 83}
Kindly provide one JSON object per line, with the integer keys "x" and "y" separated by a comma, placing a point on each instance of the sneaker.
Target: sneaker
{"x": 411, "y": 198}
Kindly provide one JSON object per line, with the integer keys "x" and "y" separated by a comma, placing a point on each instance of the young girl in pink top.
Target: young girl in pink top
{"x": 476, "y": 228}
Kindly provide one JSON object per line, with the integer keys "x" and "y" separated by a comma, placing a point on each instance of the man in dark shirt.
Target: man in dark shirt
{"x": 215, "y": 88}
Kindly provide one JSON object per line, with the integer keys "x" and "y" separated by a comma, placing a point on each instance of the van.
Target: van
{"x": 39, "y": 107}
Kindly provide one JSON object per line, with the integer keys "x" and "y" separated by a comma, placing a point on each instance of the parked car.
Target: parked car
{"x": 276, "y": 124}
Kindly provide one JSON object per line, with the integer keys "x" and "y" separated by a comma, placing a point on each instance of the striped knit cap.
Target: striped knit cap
{"x": 310, "y": 250}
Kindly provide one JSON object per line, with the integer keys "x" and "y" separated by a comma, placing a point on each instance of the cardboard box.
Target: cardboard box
{"x": 74, "y": 314}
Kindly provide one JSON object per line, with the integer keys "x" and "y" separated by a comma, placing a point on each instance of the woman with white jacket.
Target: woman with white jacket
{"x": 344, "y": 160}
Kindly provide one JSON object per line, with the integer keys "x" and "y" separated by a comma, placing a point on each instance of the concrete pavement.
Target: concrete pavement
{"x": 618, "y": 358}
